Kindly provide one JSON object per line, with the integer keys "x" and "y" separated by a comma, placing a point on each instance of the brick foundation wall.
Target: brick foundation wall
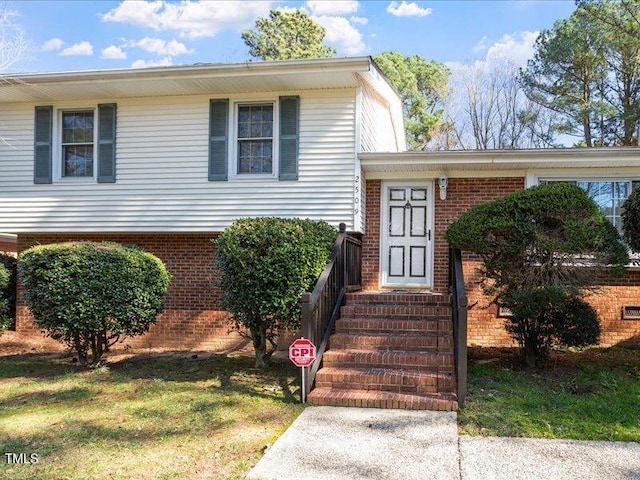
{"x": 8, "y": 248}
{"x": 192, "y": 318}
{"x": 484, "y": 328}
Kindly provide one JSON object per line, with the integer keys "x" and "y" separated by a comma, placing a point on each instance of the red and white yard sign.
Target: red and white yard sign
{"x": 302, "y": 352}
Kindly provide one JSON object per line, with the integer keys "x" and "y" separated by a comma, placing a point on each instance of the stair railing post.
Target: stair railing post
{"x": 343, "y": 232}
{"x": 306, "y": 330}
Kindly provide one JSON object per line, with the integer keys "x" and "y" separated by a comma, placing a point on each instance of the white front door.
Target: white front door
{"x": 406, "y": 250}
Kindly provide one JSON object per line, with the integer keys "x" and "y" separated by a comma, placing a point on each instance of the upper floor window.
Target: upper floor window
{"x": 254, "y": 138}
{"x": 255, "y": 131}
{"x": 77, "y": 144}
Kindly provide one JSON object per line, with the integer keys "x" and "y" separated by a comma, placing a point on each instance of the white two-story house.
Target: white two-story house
{"x": 168, "y": 157}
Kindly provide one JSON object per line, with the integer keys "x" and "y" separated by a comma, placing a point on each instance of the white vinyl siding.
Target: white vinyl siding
{"x": 162, "y": 181}
{"x": 377, "y": 132}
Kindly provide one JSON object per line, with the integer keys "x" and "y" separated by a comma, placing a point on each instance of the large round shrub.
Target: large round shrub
{"x": 90, "y": 295}
{"x": 532, "y": 243}
{"x": 265, "y": 266}
{"x": 631, "y": 220}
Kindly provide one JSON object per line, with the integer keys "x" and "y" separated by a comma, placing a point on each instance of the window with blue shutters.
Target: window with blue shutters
{"x": 257, "y": 139}
{"x": 75, "y": 144}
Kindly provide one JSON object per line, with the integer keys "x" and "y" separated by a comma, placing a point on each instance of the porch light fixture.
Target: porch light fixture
{"x": 443, "y": 186}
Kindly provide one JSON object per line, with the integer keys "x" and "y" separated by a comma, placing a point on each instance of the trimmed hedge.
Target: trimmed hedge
{"x": 541, "y": 248}
{"x": 90, "y": 295}
{"x": 631, "y": 220}
{"x": 7, "y": 292}
{"x": 265, "y": 266}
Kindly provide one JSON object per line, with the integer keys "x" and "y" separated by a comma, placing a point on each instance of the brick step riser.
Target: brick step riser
{"x": 387, "y": 383}
{"x": 432, "y": 363}
{"x": 427, "y": 343}
{"x": 431, "y": 313}
{"x": 394, "y": 324}
{"x": 383, "y": 326}
{"x": 395, "y": 301}
{"x": 341, "y": 398}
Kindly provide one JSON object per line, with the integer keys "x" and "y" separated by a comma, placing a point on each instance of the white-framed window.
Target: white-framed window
{"x": 75, "y": 148}
{"x": 254, "y": 139}
{"x": 608, "y": 194}
{"x": 254, "y": 148}
{"x": 75, "y": 143}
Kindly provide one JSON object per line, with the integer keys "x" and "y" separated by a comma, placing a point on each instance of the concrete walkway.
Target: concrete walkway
{"x": 335, "y": 443}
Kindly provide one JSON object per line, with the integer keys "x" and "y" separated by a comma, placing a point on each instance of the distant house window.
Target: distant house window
{"x": 255, "y": 133}
{"x": 609, "y": 195}
{"x": 77, "y": 143}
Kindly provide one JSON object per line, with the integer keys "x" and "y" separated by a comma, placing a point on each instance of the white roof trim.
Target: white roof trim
{"x": 198, "y": 70}
{"x": 207, "y": 79}
{"x": 376, "y": 164}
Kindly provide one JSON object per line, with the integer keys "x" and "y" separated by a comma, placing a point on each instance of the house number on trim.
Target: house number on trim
{"x": 356, "y": 196}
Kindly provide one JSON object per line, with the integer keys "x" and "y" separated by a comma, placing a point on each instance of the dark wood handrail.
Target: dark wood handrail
{"x": 459, "y": 318}
{"x": 321, "y": 307}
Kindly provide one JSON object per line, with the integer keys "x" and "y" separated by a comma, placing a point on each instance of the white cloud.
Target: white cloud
{"x": 359, "y": 20}
{"x": 342, "y": 35}
{"x": 83, "y": 49}
{"x": 333, "y": 7}
{"x": 191, "y": 19}
{"x": 113, "y": 52}
{"x": 515, "y": 48}
{"x": 481, "y": 45}
{"x": 405, "y": 9}
{"x": 511, "y": 51}
{"x": 53, "y": 45}
{"x": 163, "y": 48}
{"x": 163, "y": 62}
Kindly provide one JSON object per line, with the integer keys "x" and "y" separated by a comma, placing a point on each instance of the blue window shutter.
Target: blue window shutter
{"x": 107, "y": 143}
{"x": 43, "y": 127}
{"x": 289, "y": 137}
{"x": 218, "y": 139}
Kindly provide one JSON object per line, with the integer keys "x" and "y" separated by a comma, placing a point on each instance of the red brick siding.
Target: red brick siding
{"x": 8, "y": 248}
{"x": 484, "y": 328}
{"x": 192, "y": 318}
{"x": 371, "y": 239}
{"x": 462, "y": 194}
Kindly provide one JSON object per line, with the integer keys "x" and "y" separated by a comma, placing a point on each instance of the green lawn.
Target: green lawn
{"x": 144, "y": 417}
{"x": 591, "y": 395}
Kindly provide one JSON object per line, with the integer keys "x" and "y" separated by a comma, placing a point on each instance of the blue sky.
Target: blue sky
{"x": 77, "y": 35}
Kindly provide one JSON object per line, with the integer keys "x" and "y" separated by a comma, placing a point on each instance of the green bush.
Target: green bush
{"x": 265, "y": 266}
{"x": 7, "y": 292}
{"x": 631, "y": 220}
{"x": 90, "y": 295}
{"x": 546, "y": 237}
{"x": 547, "y": 317}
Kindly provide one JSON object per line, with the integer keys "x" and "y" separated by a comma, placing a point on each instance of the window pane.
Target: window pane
{"x": 77, "y": 148}
{"x": 78, "y": 160}
{"x": 609, "y": 196}
{"x": 77, "y": 127}
{"x": 255, "y": 121}
{"x": 255, "y": 156}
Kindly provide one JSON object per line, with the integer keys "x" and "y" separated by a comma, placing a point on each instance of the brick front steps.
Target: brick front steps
{"x": 390, "y": 350}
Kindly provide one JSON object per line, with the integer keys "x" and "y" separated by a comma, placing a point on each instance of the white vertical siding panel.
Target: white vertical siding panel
{"x": 377, "y": 132}
{"x": 162, "y": 171}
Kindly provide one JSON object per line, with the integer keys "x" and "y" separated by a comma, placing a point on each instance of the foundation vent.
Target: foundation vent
{"x": 631, "y": 312}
